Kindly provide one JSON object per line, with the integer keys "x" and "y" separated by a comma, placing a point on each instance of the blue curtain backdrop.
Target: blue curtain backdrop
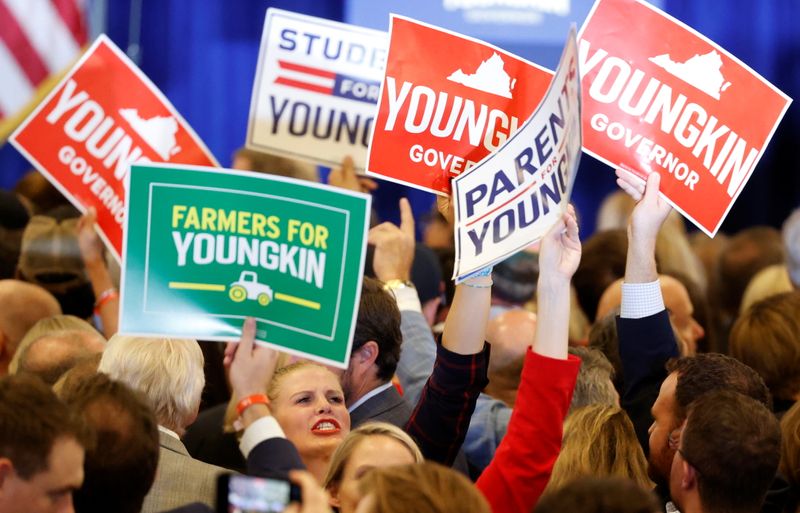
{"x": 203, "y": 57}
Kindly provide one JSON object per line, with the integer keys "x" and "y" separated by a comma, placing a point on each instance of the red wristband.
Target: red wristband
{"x": 104, "y": 297}
{"x": 249, "y": 401}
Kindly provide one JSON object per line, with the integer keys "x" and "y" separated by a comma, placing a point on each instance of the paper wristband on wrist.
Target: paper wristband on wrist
{"x": 249, "y": 401}
{"x": 104, "y": 297}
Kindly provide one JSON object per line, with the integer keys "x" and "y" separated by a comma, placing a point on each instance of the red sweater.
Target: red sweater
{"x": 521, "y": 467}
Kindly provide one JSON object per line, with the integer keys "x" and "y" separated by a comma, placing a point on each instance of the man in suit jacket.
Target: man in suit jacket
{"x": 169, "y": 372}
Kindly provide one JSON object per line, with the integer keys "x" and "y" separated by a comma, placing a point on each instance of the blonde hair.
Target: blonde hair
{"x": 767, "y": 282}
{"x": 345, "y": 450}
{"x": 47, "y": 326}
{"x": 428, "y": 487}
{"x": 281, "y": 371}
{"x": 599, "y": 440}
{"x": 168, "y": 371}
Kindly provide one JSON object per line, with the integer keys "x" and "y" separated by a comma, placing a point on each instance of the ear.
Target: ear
{"x": 6, "y": 471}
{"x": 367, "y": 354}
{"x": 689, "y": 479}
{"x": 333, "y": 499}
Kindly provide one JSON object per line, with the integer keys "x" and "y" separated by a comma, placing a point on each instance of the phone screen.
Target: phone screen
{"x": 257, "y": 495}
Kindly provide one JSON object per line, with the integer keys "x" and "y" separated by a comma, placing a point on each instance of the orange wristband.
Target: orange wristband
{"x": 249, "y": 401}
{"x": 105, "y": 297}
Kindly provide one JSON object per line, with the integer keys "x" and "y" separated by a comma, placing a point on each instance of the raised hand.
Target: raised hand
{"x": 345, "y": 177}
{"x": 314, "y": 498}
{"x": 90, "y": 245}
{"x": 394, "y": 246}
{"x": 651, "y": 209}
{"x": 251, "y": 365}
{"x": 560, "y": 250}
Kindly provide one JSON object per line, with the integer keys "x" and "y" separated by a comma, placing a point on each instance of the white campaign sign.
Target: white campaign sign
{"x": 512, "y": 197}
{"x": 316, "y": 88}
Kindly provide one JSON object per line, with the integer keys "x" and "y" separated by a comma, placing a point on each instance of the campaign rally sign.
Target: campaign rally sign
{"x": 206, "y": 248}
{"x": 446, "y": 102}
{"x": 316, "y": 88}
{"x": 658, "y": 96}
{"x": 104, "y": 115}
{"x": 515, "y": 195}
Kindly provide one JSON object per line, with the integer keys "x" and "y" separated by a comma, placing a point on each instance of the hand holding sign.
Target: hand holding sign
{"x": 560, "y": 251}
{"x": 394, "y": 246}
{"x": 651, "y": 209}
{"x": 345, "y": 177}
{"x": 251, "y": 365}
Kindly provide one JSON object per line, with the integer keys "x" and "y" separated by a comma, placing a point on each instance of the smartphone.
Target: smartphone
{"x": 247, "y": 494}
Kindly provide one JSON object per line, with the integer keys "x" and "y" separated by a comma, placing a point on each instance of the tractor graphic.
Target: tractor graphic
{"x": 248, "y": 287}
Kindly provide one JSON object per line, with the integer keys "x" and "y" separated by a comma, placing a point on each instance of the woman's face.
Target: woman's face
{"x": 310, "y": 409}
{"x": 374, "y": 451}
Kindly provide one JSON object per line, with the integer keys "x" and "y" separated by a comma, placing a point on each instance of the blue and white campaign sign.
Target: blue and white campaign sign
{"x": 316, "y": 88}
{"x": 512, "y": 197}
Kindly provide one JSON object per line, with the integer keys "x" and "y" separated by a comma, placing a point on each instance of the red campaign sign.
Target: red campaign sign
{"x": 104, "y": 115}
{"x": 658, "y": 96}
{"x": 447, "y": 101}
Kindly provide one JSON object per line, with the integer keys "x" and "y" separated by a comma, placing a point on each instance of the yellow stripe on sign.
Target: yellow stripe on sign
{"x": 196, "y": 286}
{"x": 297, "y": 301}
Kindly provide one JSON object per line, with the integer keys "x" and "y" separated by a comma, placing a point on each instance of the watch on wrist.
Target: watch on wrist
{"x": 396, "y": 283}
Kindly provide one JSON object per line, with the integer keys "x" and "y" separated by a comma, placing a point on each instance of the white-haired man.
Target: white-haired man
{"x": 169, "y": 372}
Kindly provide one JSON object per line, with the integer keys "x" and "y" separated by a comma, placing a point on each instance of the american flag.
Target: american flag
{"x": 38, "y": 38}
{"x": 322, "y": 81}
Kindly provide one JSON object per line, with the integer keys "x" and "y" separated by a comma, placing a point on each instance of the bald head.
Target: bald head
{"x": 52, "y": 354}
{"x": 510, "y": 334}
{"x": 676, "y": 301}
{"x": 21, "y": 306}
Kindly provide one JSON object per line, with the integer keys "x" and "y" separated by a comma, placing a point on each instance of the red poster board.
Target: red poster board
{"x": 104, "y": 115}
{"x": 659, "y": 96}
{"x": 446, "y": 102}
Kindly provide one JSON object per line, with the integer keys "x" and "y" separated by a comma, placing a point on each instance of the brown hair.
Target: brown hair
{"x": 790, "y": 444}
{"x": 379, "y": 320}
{"x": 428, "y": 487}
{"x": 746, "y": 253}
{"x": 599, "y": 495}
{"x": 703, "y": 373}
{"x": 599, "y": 440}
{"x": 733, "y": 442}
{"x": 121, "y": 469}
{"x": 345, "y": 450}
{"x": 602, "y": 263}
{"x": 32, "y": 418}
{"x": 767, "y": 338}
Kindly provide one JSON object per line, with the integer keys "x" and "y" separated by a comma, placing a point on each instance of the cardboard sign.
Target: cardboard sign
{"x": 204, "y": 249}
{"x": 658, "y": 96}
{"x": 316, "y": 88}
{"x": 512, "y": 198}
{"x": 104, "y": 115}
{"x": 446, "y": 102}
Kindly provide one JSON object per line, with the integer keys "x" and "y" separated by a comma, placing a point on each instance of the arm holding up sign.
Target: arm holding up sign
{"x": 521, "y": 467}
{"x": 106, "y": 305}
{"x": 263, "y": 443}
{"x": 646, "y": 339}
{"x": 449, "y": 391}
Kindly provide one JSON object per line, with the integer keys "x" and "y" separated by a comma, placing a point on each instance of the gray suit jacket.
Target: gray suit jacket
{"x": 180, "y": 479}
{"x": 388, "y": 406}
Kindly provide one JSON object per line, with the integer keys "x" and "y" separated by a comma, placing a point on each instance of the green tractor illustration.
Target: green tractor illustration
{"x": 248, "y": 287}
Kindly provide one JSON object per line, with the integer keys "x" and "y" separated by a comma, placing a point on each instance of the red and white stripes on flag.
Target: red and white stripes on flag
{"x": 37, "y": 38}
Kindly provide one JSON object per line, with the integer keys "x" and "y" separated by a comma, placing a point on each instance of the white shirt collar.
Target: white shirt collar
{"x": 168, "y": 432}
{"x": 369, "y": 395}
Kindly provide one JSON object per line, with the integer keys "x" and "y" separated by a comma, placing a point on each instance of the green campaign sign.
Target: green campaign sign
{"x": 205, "y": 248}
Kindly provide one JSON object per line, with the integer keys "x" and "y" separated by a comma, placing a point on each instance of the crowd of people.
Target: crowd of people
{"x": 641, "y": 370}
